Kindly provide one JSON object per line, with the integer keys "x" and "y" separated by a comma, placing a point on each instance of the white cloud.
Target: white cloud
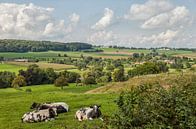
{"x": 105, "y": 20}
{"x": 74, "y": 18}
{"x": 148, "y": 9}
{"x": 32, "y": 22}
{"x": 102, "y": 37}
{"x": 177, "y": 16}
{"x": 162, "y": 39}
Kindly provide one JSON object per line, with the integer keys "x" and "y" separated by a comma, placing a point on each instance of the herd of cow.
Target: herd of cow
{"x": 48, "y": 111}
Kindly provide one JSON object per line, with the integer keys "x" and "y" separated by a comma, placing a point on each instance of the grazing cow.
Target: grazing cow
{"x": 39, "y": 116}
{"x": 61, "y": 106}
{"x": 88, "y": 113}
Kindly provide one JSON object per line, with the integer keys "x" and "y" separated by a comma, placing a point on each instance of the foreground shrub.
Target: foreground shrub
{"x": 152, "y": 106}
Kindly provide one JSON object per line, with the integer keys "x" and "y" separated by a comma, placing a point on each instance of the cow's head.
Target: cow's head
{"x": 95, "y": 107}
{"x": 34, "y": 105}
{"x": 52, "y": 112}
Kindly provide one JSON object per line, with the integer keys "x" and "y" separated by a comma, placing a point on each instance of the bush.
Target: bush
{"x": 19, "y": 81}
{"x": 148, "y": 68}
{"x": 28, "y": 90}
{"x": 6, "y": 79}
{"x": 118, "y": 75}
{"x": 152, "y": 106}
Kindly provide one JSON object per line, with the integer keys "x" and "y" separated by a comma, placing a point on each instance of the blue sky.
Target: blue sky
{"x": 138, "y": 23}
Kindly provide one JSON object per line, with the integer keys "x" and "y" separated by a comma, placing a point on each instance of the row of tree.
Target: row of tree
{"x": 11, "y": 45}
{"x": 36, "y": 76}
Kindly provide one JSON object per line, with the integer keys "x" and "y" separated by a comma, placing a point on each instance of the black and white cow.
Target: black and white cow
{"x": 88, "y": 113}
{"x": 61, "y": 106}
{"x": 40, "y": 115}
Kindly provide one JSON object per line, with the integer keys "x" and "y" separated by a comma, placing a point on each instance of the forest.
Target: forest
{"x": 12, "y": 45}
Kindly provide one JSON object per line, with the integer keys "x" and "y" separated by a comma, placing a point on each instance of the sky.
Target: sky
{"x": 129, "y": 23}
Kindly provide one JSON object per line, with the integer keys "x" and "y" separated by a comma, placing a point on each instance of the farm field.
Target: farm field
{"x": 190, "y": 55}
{"x": 14, "y": 103}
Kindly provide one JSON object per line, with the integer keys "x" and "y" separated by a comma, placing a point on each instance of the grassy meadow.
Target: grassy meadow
{"x": 14, "y": 103}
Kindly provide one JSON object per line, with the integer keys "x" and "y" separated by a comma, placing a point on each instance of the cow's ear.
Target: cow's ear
{"x": 99, "y": 106}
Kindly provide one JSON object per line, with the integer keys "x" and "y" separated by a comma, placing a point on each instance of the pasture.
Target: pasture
{"x": 11, "y": 67}
{"x": 43, "y": 65}
{"x": 14, "y": 103}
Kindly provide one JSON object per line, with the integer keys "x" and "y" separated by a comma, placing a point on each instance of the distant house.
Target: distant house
{"x": 138, "y": 63}
{"x": 21, "y": 60}
{"x": 169, "y": 61}
{"x": 166, "y": 49}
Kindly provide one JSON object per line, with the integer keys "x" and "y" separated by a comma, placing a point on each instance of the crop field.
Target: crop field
{"x": 14, "y": 103}
{"x": 190, "y": 55}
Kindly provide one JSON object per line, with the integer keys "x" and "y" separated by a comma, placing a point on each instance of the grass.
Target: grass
{"x": 44, "y": 65}
{"x": 11, "y": 67}
{"x": 14, "y": 103}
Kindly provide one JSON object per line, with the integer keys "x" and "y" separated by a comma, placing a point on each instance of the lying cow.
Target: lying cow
{"x": 61, "y": 106}
{"x": 39, "y": 116}
{"x": 88, "y": 113}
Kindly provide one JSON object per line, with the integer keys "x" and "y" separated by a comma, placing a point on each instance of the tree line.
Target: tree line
{"x": 11, "y": 45}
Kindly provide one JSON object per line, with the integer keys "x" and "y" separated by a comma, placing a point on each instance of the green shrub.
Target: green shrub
{"x": 28, "y": 90}
{"x": 154, "y": 107}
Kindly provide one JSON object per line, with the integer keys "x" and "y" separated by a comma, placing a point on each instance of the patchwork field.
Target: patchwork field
{"x": 113, "y": 53}
{"x": 14, "y": 103}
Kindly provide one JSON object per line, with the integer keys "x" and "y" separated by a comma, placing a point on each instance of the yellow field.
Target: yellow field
{"x": 193, "y": 55}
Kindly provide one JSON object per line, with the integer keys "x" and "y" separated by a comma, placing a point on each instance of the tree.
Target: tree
{"x": 61, "y": 82}
{"x": 34, "y": 75}
{"x": 6, "y": 79}
{"x": 88, "y": 77}
{"x": 51, "y": 75}
{"x": 118, "y": 74}
{"x": 70, "y": 76}
{"x": 19, "y": 81}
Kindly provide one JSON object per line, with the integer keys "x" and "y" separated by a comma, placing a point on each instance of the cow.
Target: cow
{"x": 61, "y": 106}
{"x": 40, "y": 115}
{"x": 88, "y": 113}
